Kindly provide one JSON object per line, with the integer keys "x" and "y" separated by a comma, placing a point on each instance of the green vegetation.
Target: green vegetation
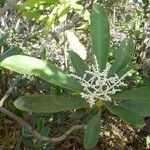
{"x": 80, "y": 80}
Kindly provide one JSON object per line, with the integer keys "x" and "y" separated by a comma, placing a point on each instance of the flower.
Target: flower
{"x": 98, "y": 85}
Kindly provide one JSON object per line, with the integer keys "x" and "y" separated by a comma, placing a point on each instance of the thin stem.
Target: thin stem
{"x": 7, "y": 94}
{"x": 37, "y": 134}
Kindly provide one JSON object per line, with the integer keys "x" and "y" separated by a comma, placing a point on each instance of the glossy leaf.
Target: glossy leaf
{"x": 141, "y": 108}
{"x": 76, "y": 45}
{"x": 126, "y": 115}
{"x": 77, "y": 63}
{"x": 44, "y": 70}
{"x": 100, "y": 35}
{"x": 92, "y": 131}
{"x": 123, "y": 56}
{"x": 135, "y": 94}
{"x": 48, "y": 103}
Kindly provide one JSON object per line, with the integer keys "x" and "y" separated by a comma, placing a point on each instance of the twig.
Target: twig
{"x": 37, "y": 134}
{"x": 7, "y": 94}
{"x": 8, "y": 6}
{"x": 19, "y": 119}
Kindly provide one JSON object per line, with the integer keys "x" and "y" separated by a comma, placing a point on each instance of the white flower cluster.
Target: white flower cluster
{"x": 97, "y": 85}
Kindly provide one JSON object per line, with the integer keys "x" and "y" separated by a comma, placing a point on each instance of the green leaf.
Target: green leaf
{"x": 3, "y": 39}
{"x": 145, "y": 1}
{"x": 10, "y": 52}
{"x": 100, "y": 35}
{"x": 123, "y": 71}
{"x": 126, "y": 115}
{"x": 48, "y": 103}
{"x": 92, "y": 131}
{"x": 63, "y": 9}
{"x": 40, "y": 124}
{"x": 135, "y": 94}
{"x": 77, "y": 63}
{"x": 123, "y": 56}
{"x": 76, "y": 45}
{"x": 141, "y": 108}
{"x": 42, "y": 69}
{"x": 34, "y": 15}
{"x": 2, "y": 3}
{"x": 29, "y": 4}
{"x": 49, "y": 21}
{"x": 34, "y": 9}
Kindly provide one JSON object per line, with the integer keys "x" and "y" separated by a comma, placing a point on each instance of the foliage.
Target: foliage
{"x": 128, "y": 104}
{"x": 49, "y": 12}
{"x": 92, "y": 131}
{"x": 48, "y": 103}
{"x": 100, "y": 35}
{"x": 2, "y": 3}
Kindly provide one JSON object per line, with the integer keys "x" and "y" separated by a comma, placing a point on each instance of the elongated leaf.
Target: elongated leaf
{"x": 141, "y": 108}
{"x": 136, "y": 94}
{"x": 92, "y": 131}
{"x": 126, "y": 115}
{"x": 3, "y": 39}
{"x": 42, "y": 69}
{"x": 40, "y": 124}
{"x": 123, "y": 56}
{"x": 48, "y": 103}
{"x": 10, "y": 52}
{"x": 100, "y": 35}
{"x": 63, "y": 11}
{"x": 76, "y": 45}
{"x": 77, "y": 63}
{"x": 125, "y": 69}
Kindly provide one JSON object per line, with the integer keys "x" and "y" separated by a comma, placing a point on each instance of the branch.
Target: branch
{"x": 7, "y": 94}
{"x": 8, "y": 6}
{"x": 28, "y": 126}
{"x": 37, "y": 134}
